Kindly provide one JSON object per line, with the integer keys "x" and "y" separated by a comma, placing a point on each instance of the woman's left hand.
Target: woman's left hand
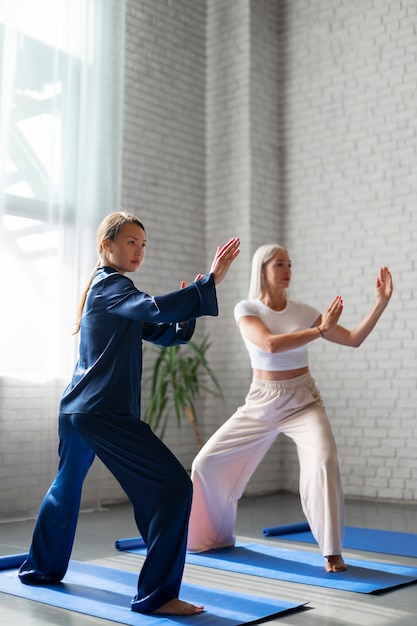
{"x": 383, "y": 285}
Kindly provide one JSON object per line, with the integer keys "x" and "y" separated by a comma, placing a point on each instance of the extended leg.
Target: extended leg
{"x": 320, "y": 484}
{"x": 54, "y": 532}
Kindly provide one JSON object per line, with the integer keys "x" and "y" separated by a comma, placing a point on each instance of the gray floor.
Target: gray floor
{"x": 98, "y": 530}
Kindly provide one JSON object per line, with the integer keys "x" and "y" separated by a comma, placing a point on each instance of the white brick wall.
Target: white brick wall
{"x": 294, "y": 123}
{"x": 342, "y": 146}
{"x": 164, "y": 159}
{"x": 351, "y": 181}
{"x": 228, "y": 188}
{"x": 28, "y": 435}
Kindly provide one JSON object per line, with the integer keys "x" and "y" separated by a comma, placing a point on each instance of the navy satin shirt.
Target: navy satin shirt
{"x": 116, "y": 318}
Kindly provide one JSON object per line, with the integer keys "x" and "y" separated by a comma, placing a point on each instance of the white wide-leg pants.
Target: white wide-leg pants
{"x": 223, "y": 467}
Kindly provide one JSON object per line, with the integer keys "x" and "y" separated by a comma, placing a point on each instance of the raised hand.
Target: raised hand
{"x": 223, "y": 259}
{"x": 331, "y": 317}
{"x": 383, "y": 285}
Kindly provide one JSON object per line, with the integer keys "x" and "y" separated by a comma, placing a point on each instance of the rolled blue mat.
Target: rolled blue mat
{"x": 12, "y": 561}
{"x": 287, "y": 529}
{"x": 129, "y": 544}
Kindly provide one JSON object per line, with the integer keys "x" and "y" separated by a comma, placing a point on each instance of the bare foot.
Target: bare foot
{"x": 335, "y": 563}
{"x": 178, "y": 607}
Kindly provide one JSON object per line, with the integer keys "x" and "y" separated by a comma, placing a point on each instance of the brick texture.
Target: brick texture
{"x": 291, "y": 122}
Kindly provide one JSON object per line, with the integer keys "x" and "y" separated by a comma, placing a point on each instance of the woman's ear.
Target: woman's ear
{"x": 106, "y": 245}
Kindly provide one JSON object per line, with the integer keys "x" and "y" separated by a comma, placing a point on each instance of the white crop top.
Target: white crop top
{"x": 296, "y": 316}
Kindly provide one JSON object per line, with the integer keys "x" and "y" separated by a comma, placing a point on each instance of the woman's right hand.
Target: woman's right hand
{"x": 223, "y": 259}
{"x": 331, "y": 317}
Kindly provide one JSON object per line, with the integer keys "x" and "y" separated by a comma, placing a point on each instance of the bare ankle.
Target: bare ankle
{"x": 335, "y": 563}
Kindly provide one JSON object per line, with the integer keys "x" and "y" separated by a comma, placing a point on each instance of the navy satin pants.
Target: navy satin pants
{"x": 155, "y": 482}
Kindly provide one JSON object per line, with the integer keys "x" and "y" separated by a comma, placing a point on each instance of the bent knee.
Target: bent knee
{"x": 326, "y": 453}
{"x": 205, "y": 463}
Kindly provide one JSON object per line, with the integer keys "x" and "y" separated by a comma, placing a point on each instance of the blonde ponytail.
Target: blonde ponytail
{"x": 83, "y": 299}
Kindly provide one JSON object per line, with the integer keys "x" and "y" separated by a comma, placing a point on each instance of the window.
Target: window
{"x": 57, "y": 60}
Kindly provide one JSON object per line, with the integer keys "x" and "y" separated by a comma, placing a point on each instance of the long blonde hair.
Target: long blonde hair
{"x": 261, "y": 257}
{"x": 108, "y": 229}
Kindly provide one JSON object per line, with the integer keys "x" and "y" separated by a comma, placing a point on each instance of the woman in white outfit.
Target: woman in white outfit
{"x": 282, "y": 398}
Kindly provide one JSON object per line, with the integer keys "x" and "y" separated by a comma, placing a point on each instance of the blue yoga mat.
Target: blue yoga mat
{"x": 12, "y": 561}
{"x": 295, "y": 566}
{"x": 107, "y": 592}
{"x": 371, "y": 540}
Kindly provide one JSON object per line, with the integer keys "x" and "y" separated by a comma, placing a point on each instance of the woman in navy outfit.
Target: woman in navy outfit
{"x": 99, "y": 414}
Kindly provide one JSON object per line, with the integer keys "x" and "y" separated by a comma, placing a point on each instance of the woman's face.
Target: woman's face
{"x": 126, "y": 253}
{"x": 277, "y": 272}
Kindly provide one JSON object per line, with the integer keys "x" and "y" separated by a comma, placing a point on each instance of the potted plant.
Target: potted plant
{"x": 179, "y": 375}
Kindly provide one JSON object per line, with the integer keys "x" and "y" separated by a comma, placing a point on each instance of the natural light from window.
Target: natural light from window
{"x": 42, "y": 44}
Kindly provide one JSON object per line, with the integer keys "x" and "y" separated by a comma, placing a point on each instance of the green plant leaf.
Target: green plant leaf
{"x": 179, "y": 375}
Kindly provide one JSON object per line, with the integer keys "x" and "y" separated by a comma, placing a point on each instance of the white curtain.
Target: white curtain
{"x": 61, "y": 111}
